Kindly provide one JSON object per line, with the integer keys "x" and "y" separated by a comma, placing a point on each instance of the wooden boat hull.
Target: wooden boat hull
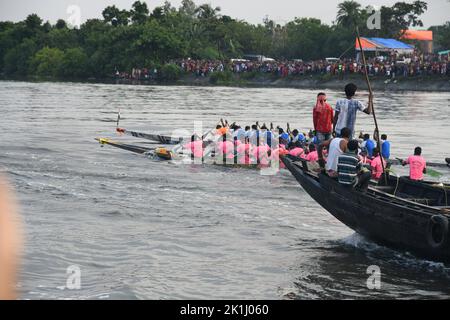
{"x": 167, "y": 155}
{"x": 386, "y": 220}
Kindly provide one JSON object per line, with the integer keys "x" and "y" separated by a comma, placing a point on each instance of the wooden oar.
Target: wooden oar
{"x": 369, "y": 86}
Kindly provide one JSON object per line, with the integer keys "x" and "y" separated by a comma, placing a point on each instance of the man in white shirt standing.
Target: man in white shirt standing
{"x": 346, "y": 109}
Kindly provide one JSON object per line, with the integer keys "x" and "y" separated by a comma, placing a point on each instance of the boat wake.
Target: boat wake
{"x": 358, "y": 241}
{"x": 374, "y": 251}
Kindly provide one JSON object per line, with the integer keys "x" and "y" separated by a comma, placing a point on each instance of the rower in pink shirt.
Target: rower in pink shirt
{"x": 417, "y": 165}
{"x": 261, "y": 153}
{"x": 276, "y": 153}
{"x": 225, "y": 147}
{"x": 296, "y": 152}
{"x": 243, "y": 151}
{"x": 364, "y": 157}
{"x": 312, "y": 155}
{"x": 195, "y": 147}
{"x": 377, "y": 166}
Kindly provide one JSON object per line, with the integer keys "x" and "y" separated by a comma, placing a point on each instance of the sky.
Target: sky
{"x": 252, "y": 11}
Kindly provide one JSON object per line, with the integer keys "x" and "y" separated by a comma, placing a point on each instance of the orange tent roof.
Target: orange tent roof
{"x": 421, "y": 35}
{"x": 366, "y": 44}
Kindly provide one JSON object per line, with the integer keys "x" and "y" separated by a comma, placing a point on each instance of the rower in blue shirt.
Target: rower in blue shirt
{"x": 284, "y": 137}
{"x": 369, "y": 145}
{"x": 255, "y": 135}
{"x": 239, "y": 133}
{"x": 385, "y": 147}
{"x": 297, "y": 140}
{"x": 267, "y": 135}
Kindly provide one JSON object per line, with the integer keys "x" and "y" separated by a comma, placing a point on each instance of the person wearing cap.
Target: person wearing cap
{"x": 297, "y": 140}
{"x": 283, "y": 137}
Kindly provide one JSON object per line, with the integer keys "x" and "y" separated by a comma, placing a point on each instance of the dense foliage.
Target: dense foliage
{"x": 138, "y": 38}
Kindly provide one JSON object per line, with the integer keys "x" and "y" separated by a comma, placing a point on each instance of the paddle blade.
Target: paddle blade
{"x": 434, "y": 173}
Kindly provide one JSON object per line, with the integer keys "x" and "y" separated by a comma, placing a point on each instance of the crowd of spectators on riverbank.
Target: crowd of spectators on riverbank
{"x": 389, "y": 67}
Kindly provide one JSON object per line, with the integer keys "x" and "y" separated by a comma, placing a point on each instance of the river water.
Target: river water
{"x": 141, "y": 229}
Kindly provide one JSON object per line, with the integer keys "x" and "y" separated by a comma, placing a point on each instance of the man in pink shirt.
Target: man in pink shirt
{"x": 377, "y": 166}
{"x": 417, "y": 165}
{"x": 312, "y": 154}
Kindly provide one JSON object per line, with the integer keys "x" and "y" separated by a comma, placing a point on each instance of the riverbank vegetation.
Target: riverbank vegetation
{"x": 137, "y": 38}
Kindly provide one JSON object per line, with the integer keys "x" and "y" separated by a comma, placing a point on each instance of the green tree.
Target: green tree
{"x": 303, "y": 37}
{"x": 74, "y": 64}
{"x": 33, "y": 22}
{"x": 102, "y": 46}
{"x": 61, "y": 38}
{"x": 158, "y": 43}
{"x": 17, "y": 59}
{"x": 61, "y": 24}
{"x": 188, "y": 8}
{"x": 170, "y": 72}
{"x": 399, "y": 17}
{"x": 139, "y": 12}
{"x": 115, "y": 16}
{"x": 206, "y": 12}
{"x": 349, "y": 14}
{"x": 47, "y": 62}
{"x": 442, "y": 36}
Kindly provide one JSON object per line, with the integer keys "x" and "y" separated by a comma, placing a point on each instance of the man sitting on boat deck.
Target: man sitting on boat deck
{"x": 336, "y": 147}
{"x": 346, "y": 110}
{"x": 351, "y": 171}
{"x": 417, "y": 165}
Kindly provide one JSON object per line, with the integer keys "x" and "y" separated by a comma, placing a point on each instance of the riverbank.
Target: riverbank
{"x": 425, "y": 83}
{"x": 440, "y": 84}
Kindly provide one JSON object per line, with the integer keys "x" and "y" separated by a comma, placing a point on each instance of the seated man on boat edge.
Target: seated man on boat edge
{"x": 351, "y": 171}
{"x": 336, "y": 147}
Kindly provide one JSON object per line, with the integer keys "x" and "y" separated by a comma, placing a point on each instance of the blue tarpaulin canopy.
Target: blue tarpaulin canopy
{"x": 441, "y": 53}
{"x": 381, "y": 44}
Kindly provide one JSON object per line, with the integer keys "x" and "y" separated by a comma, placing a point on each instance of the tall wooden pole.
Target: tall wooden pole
{"x": 371, "y": 102}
